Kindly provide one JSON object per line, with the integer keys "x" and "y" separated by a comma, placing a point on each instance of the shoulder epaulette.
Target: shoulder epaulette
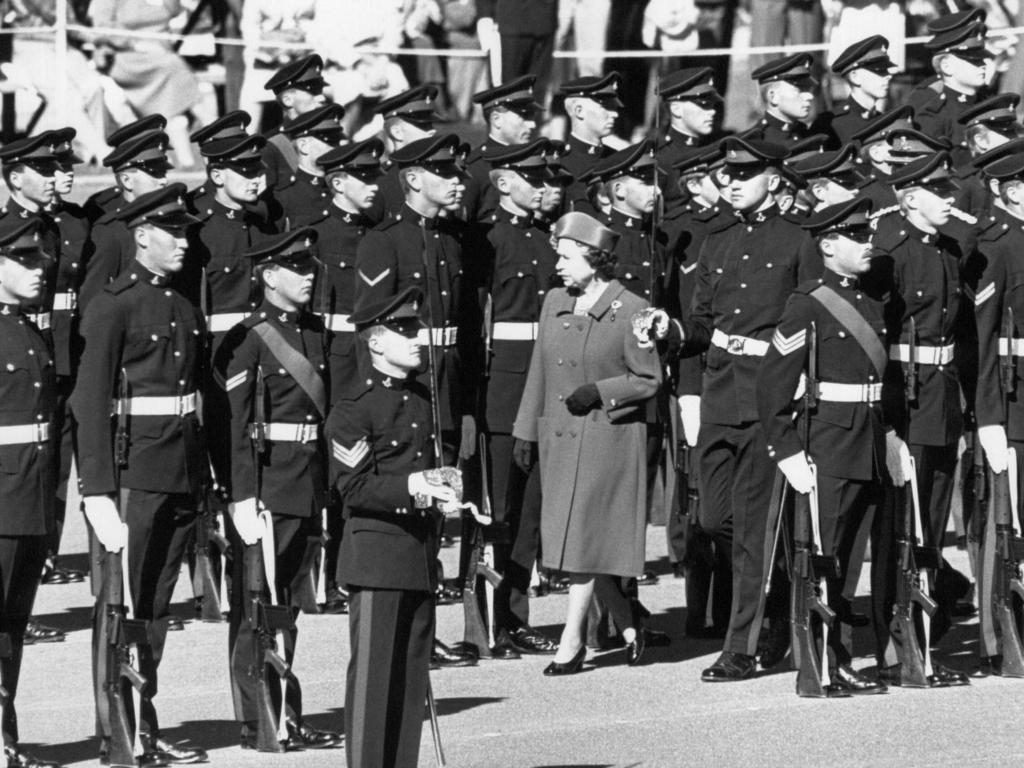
{"x": 992, "y": 229}
{"x": 356, "y": 389}
{"x": 388, "y": 223}
{"x": 808, "y": 285}
{"x": 253, "y": 320}
{"x": 122, "y": 282}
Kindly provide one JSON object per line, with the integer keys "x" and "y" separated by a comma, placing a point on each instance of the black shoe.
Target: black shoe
{"x": 528, "y": 640}
{"x": 302, "y": 736}
{"x": 891, "y": 675}
{"x": 846, "y": 679}
{"x": 52, "y": 575}
{"x": 730, "y": 667}
{"x": 148, "y": 759}
{"x": 989, "y": 665}
{"x": 963, "y": 609}
{"x": 448, "y": 593}
{"x": 447, "y": 541}
{"x": 647, "y": 578}
{"x": 558, "y": 585}
{"x": 174, "y": 754}
{"x": 775, "y": 646}
{"x": 40, "y": 633}
{"x": 250, "y": 739}
{"x": 18, "y": 758}
{"x": 571, "y": 667}
{"x": 944, "y": 677}
{"x": 337, "y": 602}
{"x": 635, "y": 650}
{"x": 443, "y": 656}
{"x": 504, "y": 649}
{"x": 175, "y": 623}
{"x": 678, "y": 571}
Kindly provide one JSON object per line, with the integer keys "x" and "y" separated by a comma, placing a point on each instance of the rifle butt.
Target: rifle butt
{"x": 808, "y": 673}
{"x": 912, "y": 668}
{"x": 475, "y": 633}
{"x": 121, "y": 748}
{"x": 211, "y": 610}
{"x": 1009, "y": 642}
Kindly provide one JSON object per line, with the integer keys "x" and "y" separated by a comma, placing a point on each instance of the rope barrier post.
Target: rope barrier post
{"x": 60, "y": 44}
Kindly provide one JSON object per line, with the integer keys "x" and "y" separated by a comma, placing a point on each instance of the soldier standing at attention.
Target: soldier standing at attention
{"x": 867, "y": 70}
{"x": 787, "y": 92}
{"x": 304, "y": 196}
{"x": 273, "y": 371}
{"x": 28, "y": 440}
{"x": 144, "y": 353}
{"x": 592, "y": 104}
{"x": 109, "y": 198}
{"x": 298, "y": 88}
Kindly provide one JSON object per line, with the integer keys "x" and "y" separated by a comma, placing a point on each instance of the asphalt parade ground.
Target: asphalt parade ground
{"x": 506, "y": 714}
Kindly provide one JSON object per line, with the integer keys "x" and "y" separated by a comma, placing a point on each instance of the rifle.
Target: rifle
{"x": 912, "y": 589}
{"x": 1007, "y": 590}
{"x": 811, "y": 568}
{"x": 910, "y": 374}
{"x": 209, "y": 536}
{"x": 275, "y": 619}
{"x": 6, "y": 652}
{"x": 481, "y": 552}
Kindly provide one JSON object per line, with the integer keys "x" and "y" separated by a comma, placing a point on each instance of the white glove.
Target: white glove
{"x": 906, "y": 463}
{"x": 798, "y": 472}
{"x": 486, "y": 33}
{"x": 689, "y": 414}
{"x": 424, "y": 490}
{"x": 247, "y": 521}
{"x": 894, "y": 450}
{"x": 993, "y": 440}
{"x": 102, "y": 514}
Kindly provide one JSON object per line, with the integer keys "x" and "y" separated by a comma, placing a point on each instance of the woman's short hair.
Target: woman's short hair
{"x": 603, "y": 262}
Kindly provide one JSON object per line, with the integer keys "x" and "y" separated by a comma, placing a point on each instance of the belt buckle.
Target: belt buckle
{"x": 179, "y": 406}
{"x": 735, "y": 344}
{"x": 305, "y": 433}
{"x": 40, "y": 430}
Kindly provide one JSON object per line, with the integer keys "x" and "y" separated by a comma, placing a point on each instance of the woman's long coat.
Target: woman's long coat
{"x": 593, "y": 467}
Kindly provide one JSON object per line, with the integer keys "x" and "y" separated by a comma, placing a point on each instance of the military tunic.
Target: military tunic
{"x": 111, "y": 250}
{"x": 303, "y": 198}
{"x": 936, "y": 109}
{"x": 481, "y": 198}
{"x": 846, "y": 119}
{"x": 674, "y": 147}
{"x": 771, "y": 129}
{"x": 582, "y": 156}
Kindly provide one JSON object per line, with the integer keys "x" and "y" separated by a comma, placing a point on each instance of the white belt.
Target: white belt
{"x": 224, "y": 321}
{"x": 288, "y": 433}
{"x": 338, "y": 323}
{"x": 514, "y": 332}
{"x": 41, "y": 319}
{"x": 739, "y": 345}
{"x": 923, "y": 355}
{"x": 65, "y": 302}
{"x": 157, "y": 406}
{"x": 849, "y": 393}
{"x": 443, "y": 337}
{"x": 25, "y": 433}
{"x": 1016, "y": 349}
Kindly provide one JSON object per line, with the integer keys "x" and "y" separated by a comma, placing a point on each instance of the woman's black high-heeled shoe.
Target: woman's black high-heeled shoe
{"x": 635, "y": 649}
{"x": 570, "y": 667}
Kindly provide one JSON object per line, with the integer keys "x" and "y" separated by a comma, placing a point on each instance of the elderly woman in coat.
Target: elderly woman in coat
{"x": 581, "y": 412}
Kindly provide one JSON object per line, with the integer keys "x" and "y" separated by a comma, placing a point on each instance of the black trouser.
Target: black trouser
{"x": 390, "y": 637}
{"x": 21, "y": 559}
{"x": 291, "y": 568}
{"x": 516, "y": 498}
{"x": 528, "y": 54}
{"x": 736, "y": 476}
{"x": 62, "y": 423}
{"x": 159, "y": 526}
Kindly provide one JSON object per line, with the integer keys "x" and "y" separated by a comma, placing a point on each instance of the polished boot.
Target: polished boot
{"x": 729, "y": 667}
{"x": 526, "y": 639}
{"x": 504, "y": 649}
{"x": 302, "y": 736}
{"x": 848, "y": 680}
{"x": 173, "y": 754}
{"x": 40, "y": 633}
{"x": 571, "y": 667}
{"x": 18, "y": 758}
{"x": 443, "y": 656}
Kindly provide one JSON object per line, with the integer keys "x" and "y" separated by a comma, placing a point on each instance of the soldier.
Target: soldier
{"x": 304, "y": 196}
{"x": 510, "y": 112}
{"x": 693, "y": 110}
{"x": 29, "y": 390}
{"x": 831, "y": 177}
{"x": 233, "y": 125}
{"x": 849, "y": 437}
{"x": 556, "y": 183}
{"x": 520, "y": 271}
{"x": 745, "y": 271}
{"x": 921, "y": 266}
{"x": 592, "y": 104}
{"x": 787, "y": 92}
{"x": 408, "y": 117}
{"x": 140, "y": 166}
{"x": 379, "y": 435}
{"x": 959, "y": 58}
{"x": 298, "y": 88}
{"x": 867, "y": 69}
{"x": 876, "y": 154}
{"x": 273, "y": 369}
{"x": 109, "y": 199}
{"x": 143, "y": 352}
{"x": 988, "y": 125}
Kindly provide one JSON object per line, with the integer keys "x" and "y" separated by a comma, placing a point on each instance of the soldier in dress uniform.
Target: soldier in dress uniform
{"x": 28, "y": 443}
{"x": 787, "y": 90}
{"x": 876, "y": 154}
{"x": 519, "y": 272}
{"x": 746, "y": 269}
{"x": 274, "y": 373}
{"x": 233, "y": 125}
{"x": 999, "y": 413}
{"x": 144, "y": 352}
{"x": 693, "y": 110}
{"x": 556, "y": 184}
{"x": 592, "y": 104}
{"x": 109, "y": 198}
{"x": 959, "y": 58}
{"x": 351, "y": 175}
{"x": 379, "y": 436}
{"x": 140, "y": 166}
{"x": 408, "y": 117}
{"x": 299, "y": 88}
{"x": 921, "y": 266}
{"x": 850, "y": 440}
{"x": 304, "y": 196}
{"x": 510, "y": 111}
{"x": 867, "y": 69}
{"x": 987, "y": 126}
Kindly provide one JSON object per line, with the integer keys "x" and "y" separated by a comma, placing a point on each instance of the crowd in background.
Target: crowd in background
{"x": 112, "y": 79}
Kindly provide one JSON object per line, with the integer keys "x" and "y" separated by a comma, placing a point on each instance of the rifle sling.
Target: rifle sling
{"x": 282, "y": 142}
{"x": 298, "y": 367}
{"x": 848, "y": 316}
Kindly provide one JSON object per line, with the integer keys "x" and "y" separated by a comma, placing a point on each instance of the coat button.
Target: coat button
{"x": 560, "y": 397}
{"x": 558, "y": 433}
{"x": 559, "y": 361}
{"x": 565, "y": 325}
{"x": 572, "y": 434}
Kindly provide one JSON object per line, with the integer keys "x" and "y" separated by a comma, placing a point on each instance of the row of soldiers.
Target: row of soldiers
{"x": 256, "y": 334}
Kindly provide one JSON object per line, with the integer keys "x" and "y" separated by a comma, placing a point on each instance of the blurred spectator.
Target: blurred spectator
{"x": 669, "y": 26}
{"x": 278, "y": 21}
{"x": 524, "y": 31}
{"x": 151, "y": 73}
{"x": 31, "y": 69}
{"x": 587, "y": 22}
{"x": 356, "y": 80}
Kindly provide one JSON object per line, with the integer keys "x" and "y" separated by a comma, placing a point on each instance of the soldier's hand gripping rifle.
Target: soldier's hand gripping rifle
{"x": 477, "y": 631}
{"x": 912, "y": 593}
{"x": 811, "y": 568}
